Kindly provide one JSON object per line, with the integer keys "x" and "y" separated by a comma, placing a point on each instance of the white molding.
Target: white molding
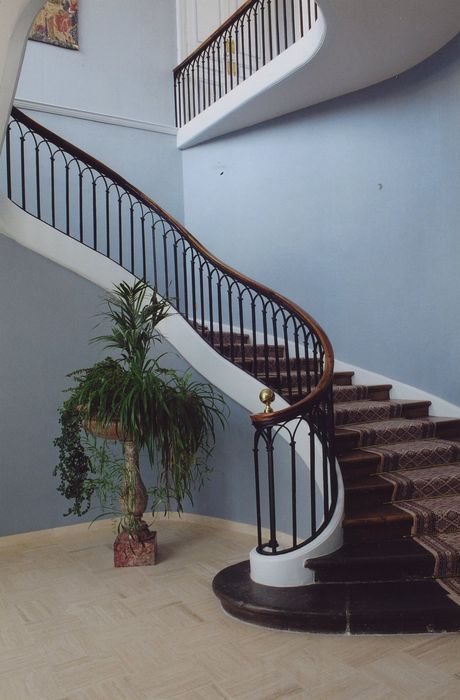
{"x": 61, "y": 111}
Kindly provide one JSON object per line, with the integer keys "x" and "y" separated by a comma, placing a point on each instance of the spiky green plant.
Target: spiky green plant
{"x": 168, "y": 414}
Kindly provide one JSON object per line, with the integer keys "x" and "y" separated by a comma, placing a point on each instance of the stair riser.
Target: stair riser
{"x": 377, "y": 532}
{"x": 390, "y": 570}
{"x": 368, "y": 499}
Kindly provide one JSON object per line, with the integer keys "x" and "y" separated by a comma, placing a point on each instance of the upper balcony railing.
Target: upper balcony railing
{"x": 249, "y": 39}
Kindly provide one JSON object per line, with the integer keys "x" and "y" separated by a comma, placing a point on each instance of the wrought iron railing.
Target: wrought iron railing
{"x": 265, "y": 334}
{"x": 254, "y": 35}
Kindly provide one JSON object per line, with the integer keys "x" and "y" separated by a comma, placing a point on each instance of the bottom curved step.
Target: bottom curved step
{"x": 387, "y": 607}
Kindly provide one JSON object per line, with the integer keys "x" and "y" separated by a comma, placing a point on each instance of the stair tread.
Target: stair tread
{"x": 390, "y": 606}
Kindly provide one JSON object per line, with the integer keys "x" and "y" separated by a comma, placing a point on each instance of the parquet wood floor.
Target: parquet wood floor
{"x": 74, "y": 628}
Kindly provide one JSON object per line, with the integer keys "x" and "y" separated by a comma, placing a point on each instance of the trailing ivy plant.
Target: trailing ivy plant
{"x": 165, "y": 412}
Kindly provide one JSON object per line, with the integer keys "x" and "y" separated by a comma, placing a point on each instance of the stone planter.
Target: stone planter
{"x": 138, "y": 546}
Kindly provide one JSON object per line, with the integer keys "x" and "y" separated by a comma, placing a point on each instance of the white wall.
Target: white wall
{"x": 197, "y": 19}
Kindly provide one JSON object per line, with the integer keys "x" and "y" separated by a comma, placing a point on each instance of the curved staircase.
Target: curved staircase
{"x": 399, "y": 568}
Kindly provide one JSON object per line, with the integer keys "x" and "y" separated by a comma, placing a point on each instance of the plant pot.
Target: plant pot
{"x": 137, "y": 546}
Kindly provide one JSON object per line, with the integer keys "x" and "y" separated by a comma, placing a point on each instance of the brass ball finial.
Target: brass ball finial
{"x": 267, "y": 396}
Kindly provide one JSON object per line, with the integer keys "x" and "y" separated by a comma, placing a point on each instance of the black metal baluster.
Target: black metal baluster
{"x": 277, "y": 25}
{"x": 120, "y": 231}
{"x": 292, "y": 445}
{"x": 265, "y": 330}
{"x": 188, "y": 95}
{"x": 185, "y": 278}
{"x": 144, "y": 257}
{"x": 257, "y": 486}
{"x": 287, "y": 359}
{"x": 209, "y": 79}
{"x": 214, "y": 73}
{"x": 255, "y": 367}
{"x": 250, "y": 43}
{"x": 293, "y": 22}
{"x": 230, "y": 321}
{"x": 263, "y": 34}
{"x": 312, "y": 480}
{"x": 8, "y": 161}
{"x": 273, "y": 544}
{"x": 230, "y": 52}
{"x": 242, "y": 331}
{"x": 53, "y": 193}
{"x": 202, "y": 320}
{"x": 80, "y": 204}
{"x": 285, "y": 25}
{"x": 175, "y": 102}
{"x": 211, "y": 310}
{"x": 154, "y": 254}
{"x": 279, "y": 380}
{"x": 196, "y": 89}
{"x": 165, "y": 259}
{"x": 176, "y": 277}
{"x": 107, "y": 219}
{"x": 256, "y": 37}
{"x": 94, "y": 215}
{"x": 23, "y": 173}
{"x": 131, "y": 234}
{"x": 184, "y": 101}
{"x": 298, "y": 362}
{"x": 316, "y": 12}
{"x": 301, "y": 17}
{"x": 37, "y": 180}
{"x": 219, "y": 315}
{"x": 270, "y": 27}
{"x": 309, "y": 14}
{"x": 243, "y": 52}
{"x": 67, "y": 199}
{"x": 192, "y": 264}
{"x": 237, "y": 63}
{"x": 219, "y": 69}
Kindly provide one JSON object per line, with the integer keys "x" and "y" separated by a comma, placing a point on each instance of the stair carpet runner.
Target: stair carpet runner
{"x": 422, "y": 469}
{"x": 401, "y": 472}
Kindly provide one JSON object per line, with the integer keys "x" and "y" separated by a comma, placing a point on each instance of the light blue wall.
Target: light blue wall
{"x": 127, "y": 53}
{"x": 123, "y": 69}
{"x": 352, "y": 209}
{"x": 47, "y": 316}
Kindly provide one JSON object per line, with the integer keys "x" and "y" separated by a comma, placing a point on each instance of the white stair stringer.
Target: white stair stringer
{"x": 283, "y": 569}
{"x": 354, "y": 44}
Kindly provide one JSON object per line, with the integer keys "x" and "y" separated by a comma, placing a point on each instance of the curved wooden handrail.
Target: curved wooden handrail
{"x": 262, "y": 420}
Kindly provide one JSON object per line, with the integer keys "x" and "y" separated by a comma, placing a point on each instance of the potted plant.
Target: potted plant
{"x": 132, "y": 399}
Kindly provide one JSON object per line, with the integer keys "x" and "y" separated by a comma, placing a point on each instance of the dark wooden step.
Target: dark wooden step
{"x": 380, "y": 608}
{"x": 371, "y": 491}
{"x": 391, "y": 560}
{"x": 377, "y": 524}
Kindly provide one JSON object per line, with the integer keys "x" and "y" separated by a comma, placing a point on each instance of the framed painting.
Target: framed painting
{"x": 57, "y": 24}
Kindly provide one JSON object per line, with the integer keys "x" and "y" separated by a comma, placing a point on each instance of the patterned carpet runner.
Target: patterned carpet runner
{"x": 423, "y": 469}
{"x": 390, "y": 431}
{"x": 415, "y": 454}
{"x": 364, "y": 411}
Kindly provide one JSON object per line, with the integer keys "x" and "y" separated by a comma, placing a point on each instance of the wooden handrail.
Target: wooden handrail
{"x": 262, "y": 420}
